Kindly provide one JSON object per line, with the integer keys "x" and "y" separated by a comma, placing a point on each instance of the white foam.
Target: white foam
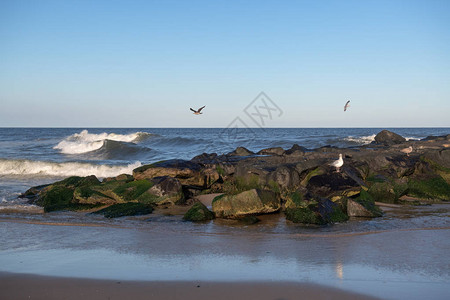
{"x": 362, "y": 140}
{"x": 86, "y": 142}
{"x": 44, "y": 168}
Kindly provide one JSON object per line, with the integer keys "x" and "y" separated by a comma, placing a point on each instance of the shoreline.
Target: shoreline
{"x": 22, "y": 286}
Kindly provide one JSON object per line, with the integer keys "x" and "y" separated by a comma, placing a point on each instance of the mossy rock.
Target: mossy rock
{"x": 132, "y": 190}
{"x": 198, "y": 213}
{"x": 338, "y": 215}
{"x": 76, "y": 181}
{"x": 387, "y": 191}
{"x": 125, "y": 209}
{"x": 316, "y": 172}
{"x": 304, "y": 215}
{"x": 87, "y": 195}
{"x": 56, "y": 197}
{"x": 251, "y": 202}
{"x": 435, "y": 188}
{"x": 294, "y": 200}
{"x": 239, "y": 184}
{"x": 363, "y": 206}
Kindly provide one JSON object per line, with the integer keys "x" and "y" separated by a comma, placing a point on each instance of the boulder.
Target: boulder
{"x": 72, "y": 193}
{"x": 272, "y": 151}
{"x": 388, "y": 138}
{"x": 198, "y": 213}
{"x": 285, "y": 177}
{"x": 330, "y": 183}
{"x": 387, "y": 191}
{"x": 164, "y": 190}
{"x": 241, "y": 151}
{"x": 187, "y": 172}
{"x": 296, "y": 150}
{"x": 434, "y": 188}
{"x": 363, "y": 206}
{"x": 319, "y": 212}
{"x": 250, "y": 202}
{"x": 304, "y": 215}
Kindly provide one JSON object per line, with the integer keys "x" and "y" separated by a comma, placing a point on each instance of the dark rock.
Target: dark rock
{"x": 330, "y": 212}
{"x": 241, "y": 151}
{"x": 285, "y": 177}
{"x": 304, "y": 215}
{"x": 389, "y": 138}
{"x": 206, "y": 158}
{"x": 187, "y": 172}
{"x": 272, "y": 151}
{"x": 387, "y": 191}
{"x": 64, "y": 194}
{"x": 198, "y": 213}
{"x": 32, "y": 194}
{"x": 328, "y": 184}
{"x": 435, "y": 188}
{"x": 250, "y": 202}
{"x": 319, "y": 212}
{"x": 166, "y": 190}
{"x": 363, "y": 206}
{"x": 440, "y": 160}
{"x": 296, "y": 148}
{"x": 125, "y": 209}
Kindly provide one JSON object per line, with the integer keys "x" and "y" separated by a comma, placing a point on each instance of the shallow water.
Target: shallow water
{"x": 402, "y": 255}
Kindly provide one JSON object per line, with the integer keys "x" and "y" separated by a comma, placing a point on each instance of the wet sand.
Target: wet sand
{"x": 19, "y": 286}
{"x": 402, "y": 255}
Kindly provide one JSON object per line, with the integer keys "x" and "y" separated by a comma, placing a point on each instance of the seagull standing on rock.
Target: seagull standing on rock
{"x": 198, "y": 111}
{"x": 338, "y": 163}
{"x": 407, "y": 151}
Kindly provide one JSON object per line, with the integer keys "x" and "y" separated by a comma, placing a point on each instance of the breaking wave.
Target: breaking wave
{"x": 361, "y": 140}
{"x": 84, "y": 141}
{"x": 45, "y": 168}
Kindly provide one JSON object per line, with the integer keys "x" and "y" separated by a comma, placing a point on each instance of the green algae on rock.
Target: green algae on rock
{"x": 198, "y": 213}
{"x": 254, "y": 201}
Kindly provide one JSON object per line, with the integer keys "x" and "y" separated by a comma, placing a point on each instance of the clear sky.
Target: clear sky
{"x": 144, "y": 63}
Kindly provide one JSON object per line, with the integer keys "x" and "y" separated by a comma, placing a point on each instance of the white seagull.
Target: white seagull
{"x": 407, "y": 151}
{"x": 338, "y": 163}
{"x": 198, "y": 111}
{"x": 347, "y": 105}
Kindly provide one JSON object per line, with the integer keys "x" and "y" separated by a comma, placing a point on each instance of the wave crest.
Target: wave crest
{"x": 84, "y": 141}
{"x": 361, "y": 140}
{"x": 45, "y": 168}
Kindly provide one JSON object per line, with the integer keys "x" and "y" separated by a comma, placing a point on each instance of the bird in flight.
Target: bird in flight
{"x": 347, "y": 105}
{"x": 338, "y": 163}
{"x": 198, "y": 111}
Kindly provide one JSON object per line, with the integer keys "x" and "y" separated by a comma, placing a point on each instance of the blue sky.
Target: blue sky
{"x": 144, "y": 63}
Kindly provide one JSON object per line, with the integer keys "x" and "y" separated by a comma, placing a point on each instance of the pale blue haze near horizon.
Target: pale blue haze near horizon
{"x": 144, "y": 63}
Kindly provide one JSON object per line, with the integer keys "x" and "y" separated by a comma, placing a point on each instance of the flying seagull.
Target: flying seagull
{"x": 407, "y": 151}
{"x": 347, "y": 105}
{"x": 338, "y": 163}
{"x": 198, "y": 111}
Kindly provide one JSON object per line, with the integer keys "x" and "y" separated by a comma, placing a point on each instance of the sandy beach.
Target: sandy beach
{"x": 19, "y": 286}
{"x": 71, "y": 255}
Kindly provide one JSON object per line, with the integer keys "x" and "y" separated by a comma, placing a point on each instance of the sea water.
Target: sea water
{"x": 401, "y": 255}
{"x": 32, "y": 156}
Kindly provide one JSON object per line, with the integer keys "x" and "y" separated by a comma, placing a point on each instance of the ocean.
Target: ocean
{"x": 34, "y": 156}
{"x": 361, "y": 255}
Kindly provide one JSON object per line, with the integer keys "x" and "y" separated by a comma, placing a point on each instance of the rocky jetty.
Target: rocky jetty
{"x": 298, "y": 182}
